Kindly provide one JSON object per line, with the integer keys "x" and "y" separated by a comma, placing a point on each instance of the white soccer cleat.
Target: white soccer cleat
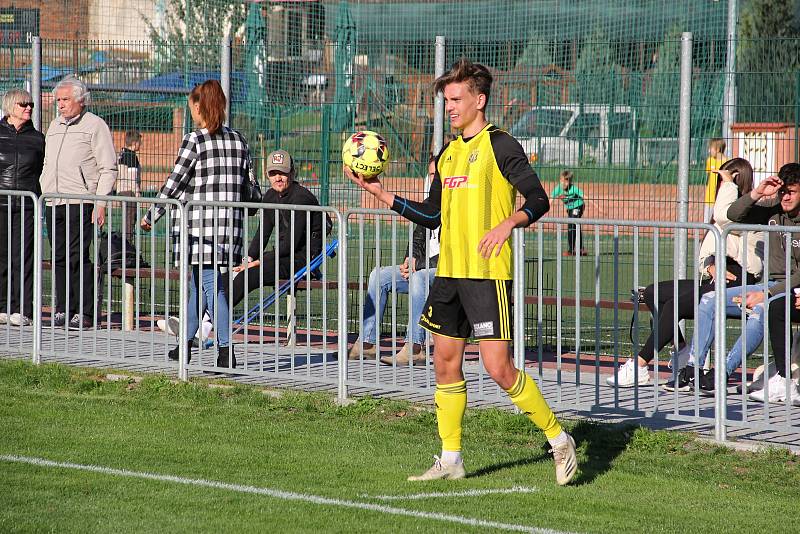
{"x": 566, "y": 461}
{"x": 626, "y": 378}
{"x": 441, "y": 470}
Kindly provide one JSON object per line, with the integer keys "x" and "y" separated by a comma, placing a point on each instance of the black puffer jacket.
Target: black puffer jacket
{"x": 21, "y": 158}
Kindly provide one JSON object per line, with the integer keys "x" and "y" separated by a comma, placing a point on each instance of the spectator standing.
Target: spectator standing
{"x": 572, "y": 197}
{"x": 21, "y": 161}
{"x": 129, "y": 181}
{"x": 213, "y": 164}
{"x": 79, "y": 159}
{"x": 716, "y": 157}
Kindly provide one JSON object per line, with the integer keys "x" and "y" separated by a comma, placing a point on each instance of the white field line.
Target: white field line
{"x": 467, "y": 493}
{"x": 279, "y": 494}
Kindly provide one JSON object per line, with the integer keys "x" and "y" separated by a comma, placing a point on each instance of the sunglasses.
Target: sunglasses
{"x": 25, "y": 104}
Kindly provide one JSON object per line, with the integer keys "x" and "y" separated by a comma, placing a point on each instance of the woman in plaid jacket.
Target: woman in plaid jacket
{"x": 213, "y": 164}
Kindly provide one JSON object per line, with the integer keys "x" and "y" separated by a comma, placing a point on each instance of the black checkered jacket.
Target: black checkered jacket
{"x": 209, "y": 168}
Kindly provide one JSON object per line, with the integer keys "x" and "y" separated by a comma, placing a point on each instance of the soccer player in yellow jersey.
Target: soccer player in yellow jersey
{"x": 716, "y": 157}
{"x": 472, "y": 195}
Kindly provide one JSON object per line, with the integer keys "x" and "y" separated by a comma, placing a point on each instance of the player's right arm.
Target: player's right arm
{"x": 426, "y": 213}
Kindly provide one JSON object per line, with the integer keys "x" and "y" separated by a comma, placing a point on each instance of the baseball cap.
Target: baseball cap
{"x": 280, "y": 160}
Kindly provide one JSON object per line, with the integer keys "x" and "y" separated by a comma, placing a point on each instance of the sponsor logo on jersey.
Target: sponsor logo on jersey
{"x": 452, "y": 182}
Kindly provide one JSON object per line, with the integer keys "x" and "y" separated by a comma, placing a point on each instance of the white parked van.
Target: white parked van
{"x": 570, "y": 134}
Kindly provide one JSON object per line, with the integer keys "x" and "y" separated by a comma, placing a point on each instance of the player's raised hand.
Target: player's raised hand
{"x": 494, "y": 239}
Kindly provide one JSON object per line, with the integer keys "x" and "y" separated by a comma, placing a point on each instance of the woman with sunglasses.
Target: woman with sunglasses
{"x": 21, "y": 160}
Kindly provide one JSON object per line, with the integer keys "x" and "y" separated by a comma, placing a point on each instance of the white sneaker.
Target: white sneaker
{"x": 625, "y": 376}
{"x": 164, "y": 327}
{"x": 777, "y": 391}
{"x": 17, "y": 319}
{"x": 441, "y": 470}
{"x": 3, "y": 318}
{"x": 172, "y": 326}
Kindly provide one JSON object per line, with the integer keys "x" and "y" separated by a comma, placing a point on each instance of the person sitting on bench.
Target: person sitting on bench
{"x": 292, "y": 229}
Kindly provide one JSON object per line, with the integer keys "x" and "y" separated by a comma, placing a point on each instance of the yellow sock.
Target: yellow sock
{"x": 527, "y": 397}
{"x": 451, "y": 402}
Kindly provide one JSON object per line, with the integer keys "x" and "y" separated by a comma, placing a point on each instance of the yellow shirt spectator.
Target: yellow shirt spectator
{"x": 712, "y": 164}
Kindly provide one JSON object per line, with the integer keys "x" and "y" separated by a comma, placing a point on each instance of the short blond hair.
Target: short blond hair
{"x": 567, "y": 175}
{"x": 717, "y": 143}
{"x": 12, "y": 98}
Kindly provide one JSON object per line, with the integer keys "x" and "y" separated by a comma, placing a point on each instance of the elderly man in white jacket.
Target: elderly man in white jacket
{"x": 79, "y": 159}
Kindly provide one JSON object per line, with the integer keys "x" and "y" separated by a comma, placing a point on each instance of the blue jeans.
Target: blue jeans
{"x": 380, "y": 285}
{"x": 704, "y": 327}
{"x": 206, "y": 302}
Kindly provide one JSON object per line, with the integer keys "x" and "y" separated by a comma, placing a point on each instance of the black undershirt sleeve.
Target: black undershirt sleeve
{"x": 427, "y": 213}
{"x": 513, "y": 164}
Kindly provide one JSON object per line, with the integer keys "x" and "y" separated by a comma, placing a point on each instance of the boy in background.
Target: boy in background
{"x": 129, "y": 179}
{"x": 572, "y": 197}
{"x": 716, "y": 157}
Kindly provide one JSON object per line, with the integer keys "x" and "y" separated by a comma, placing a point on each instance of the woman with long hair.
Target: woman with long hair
{"x": 736, "y": 179}
{"x": 213, "y": 164}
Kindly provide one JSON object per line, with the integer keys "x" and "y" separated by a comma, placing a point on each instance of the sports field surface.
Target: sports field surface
{"x": 81, "y": 451}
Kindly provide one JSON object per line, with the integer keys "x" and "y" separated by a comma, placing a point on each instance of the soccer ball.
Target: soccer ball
{"x": 365, "y": 153}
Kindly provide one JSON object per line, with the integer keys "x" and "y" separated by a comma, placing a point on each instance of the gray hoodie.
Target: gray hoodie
{"x": 79, "y": 157}
{"x": 746, "y": 210}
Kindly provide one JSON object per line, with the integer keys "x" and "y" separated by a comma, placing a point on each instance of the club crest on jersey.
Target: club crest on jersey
{"x": 452, "y": 182}
{"x": 473, "y": 157}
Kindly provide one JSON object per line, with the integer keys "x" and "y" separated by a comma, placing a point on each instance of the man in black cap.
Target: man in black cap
{"x": 258, "y": 268}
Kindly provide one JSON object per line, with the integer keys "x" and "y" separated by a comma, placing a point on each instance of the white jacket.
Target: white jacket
{"x": 734, "y": 246}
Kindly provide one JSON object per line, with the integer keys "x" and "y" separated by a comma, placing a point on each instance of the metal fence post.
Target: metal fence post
{"x": 183, "y": 295}
{"x": 720, "y": 371}
{"x": 225, "y": 75}
{"x": 36, "y": 82}
{"x": 342, "y": 268}
{"x": 438, "y": 103}
{"x": 519, "y": 296}
{"x": 324, "y": 172}
{"x": 684, "y": 147}
{"x": 729, "y": 95}
{"x": 37, "y": 279}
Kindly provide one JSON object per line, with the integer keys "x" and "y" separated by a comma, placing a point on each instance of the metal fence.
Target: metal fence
{"x": 611, "y": 117}
{"x": 572, "y": 358}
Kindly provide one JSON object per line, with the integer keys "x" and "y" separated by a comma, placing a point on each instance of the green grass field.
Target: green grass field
{"x": 346, "y": 466}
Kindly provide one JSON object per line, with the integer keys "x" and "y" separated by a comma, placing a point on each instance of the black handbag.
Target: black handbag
{"x": 251, "y": 191}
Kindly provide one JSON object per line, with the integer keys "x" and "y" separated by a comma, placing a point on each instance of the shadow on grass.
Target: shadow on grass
{"x": 601, "y": 444}
{"x": 598, "y": 446}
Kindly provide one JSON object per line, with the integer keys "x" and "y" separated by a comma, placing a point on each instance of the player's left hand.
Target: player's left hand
{"x": 494, "y": 240}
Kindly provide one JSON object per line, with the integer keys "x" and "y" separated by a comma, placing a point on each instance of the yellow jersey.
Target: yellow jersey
{"x": 474, "y": 190}
{"x": 476, "y": 197}
{"x": 713, "y": 164}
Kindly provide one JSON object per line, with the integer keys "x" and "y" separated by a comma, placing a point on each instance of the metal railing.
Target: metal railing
{"x": 572, "y": 356}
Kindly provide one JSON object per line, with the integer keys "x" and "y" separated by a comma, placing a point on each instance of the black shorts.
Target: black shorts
{"x": 468, "y": 307}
